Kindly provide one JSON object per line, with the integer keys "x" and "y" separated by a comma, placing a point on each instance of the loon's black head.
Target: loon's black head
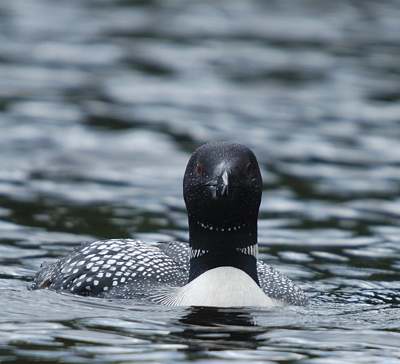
{"x": 222, "y": 188}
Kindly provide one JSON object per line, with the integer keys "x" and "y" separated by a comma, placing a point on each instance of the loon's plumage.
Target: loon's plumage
{"x": 158, "y": 267}
{"x": 219, "y": 266}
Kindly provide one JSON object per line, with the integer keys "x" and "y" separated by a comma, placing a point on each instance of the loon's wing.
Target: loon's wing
{"x": 277, "y": 286}
{"x": 97, "y": 268}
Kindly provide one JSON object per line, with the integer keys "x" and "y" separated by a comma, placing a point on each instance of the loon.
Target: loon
{"x": 222, "y": 189}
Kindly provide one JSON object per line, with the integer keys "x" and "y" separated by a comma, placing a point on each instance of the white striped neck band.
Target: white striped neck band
{"x": 219, "y": 228}
{"x": 248, "y": 250}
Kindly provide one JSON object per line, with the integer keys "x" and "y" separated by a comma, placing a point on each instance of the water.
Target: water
{"x": 101, "y": 103}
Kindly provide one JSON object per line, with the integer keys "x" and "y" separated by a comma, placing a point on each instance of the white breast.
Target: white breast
{"x": 223, "y": 287}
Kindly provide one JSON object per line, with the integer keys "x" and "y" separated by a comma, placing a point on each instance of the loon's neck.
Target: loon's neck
{"x": 234, "y": 245}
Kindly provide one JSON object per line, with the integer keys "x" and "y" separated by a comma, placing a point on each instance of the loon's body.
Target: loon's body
{"x": 219, "y": 266}
{"x": 128, "y": 268}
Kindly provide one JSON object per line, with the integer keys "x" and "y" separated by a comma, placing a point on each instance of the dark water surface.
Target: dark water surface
{"x": 101, "y": 103}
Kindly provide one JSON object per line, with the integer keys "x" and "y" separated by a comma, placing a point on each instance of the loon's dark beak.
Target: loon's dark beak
{"x": 222, "y": 188}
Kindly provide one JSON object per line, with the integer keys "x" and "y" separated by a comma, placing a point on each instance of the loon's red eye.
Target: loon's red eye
{"x": 249, "y": 168}
{"x": 199, "y": 169}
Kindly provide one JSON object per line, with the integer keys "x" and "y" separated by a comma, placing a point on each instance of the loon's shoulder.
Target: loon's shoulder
{"x": 177, "y": 251}
{"x": 279, "y": 287}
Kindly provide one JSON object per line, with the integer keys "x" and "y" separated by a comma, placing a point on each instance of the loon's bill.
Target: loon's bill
{"x": 222, "y": 189}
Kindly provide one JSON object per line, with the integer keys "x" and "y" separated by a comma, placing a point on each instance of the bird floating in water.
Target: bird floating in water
{"x": 222, "y": 189}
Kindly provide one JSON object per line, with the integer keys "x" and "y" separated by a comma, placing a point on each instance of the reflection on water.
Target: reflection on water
{"x": 101, "y": 102}
{"x": 218, "y": 329}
